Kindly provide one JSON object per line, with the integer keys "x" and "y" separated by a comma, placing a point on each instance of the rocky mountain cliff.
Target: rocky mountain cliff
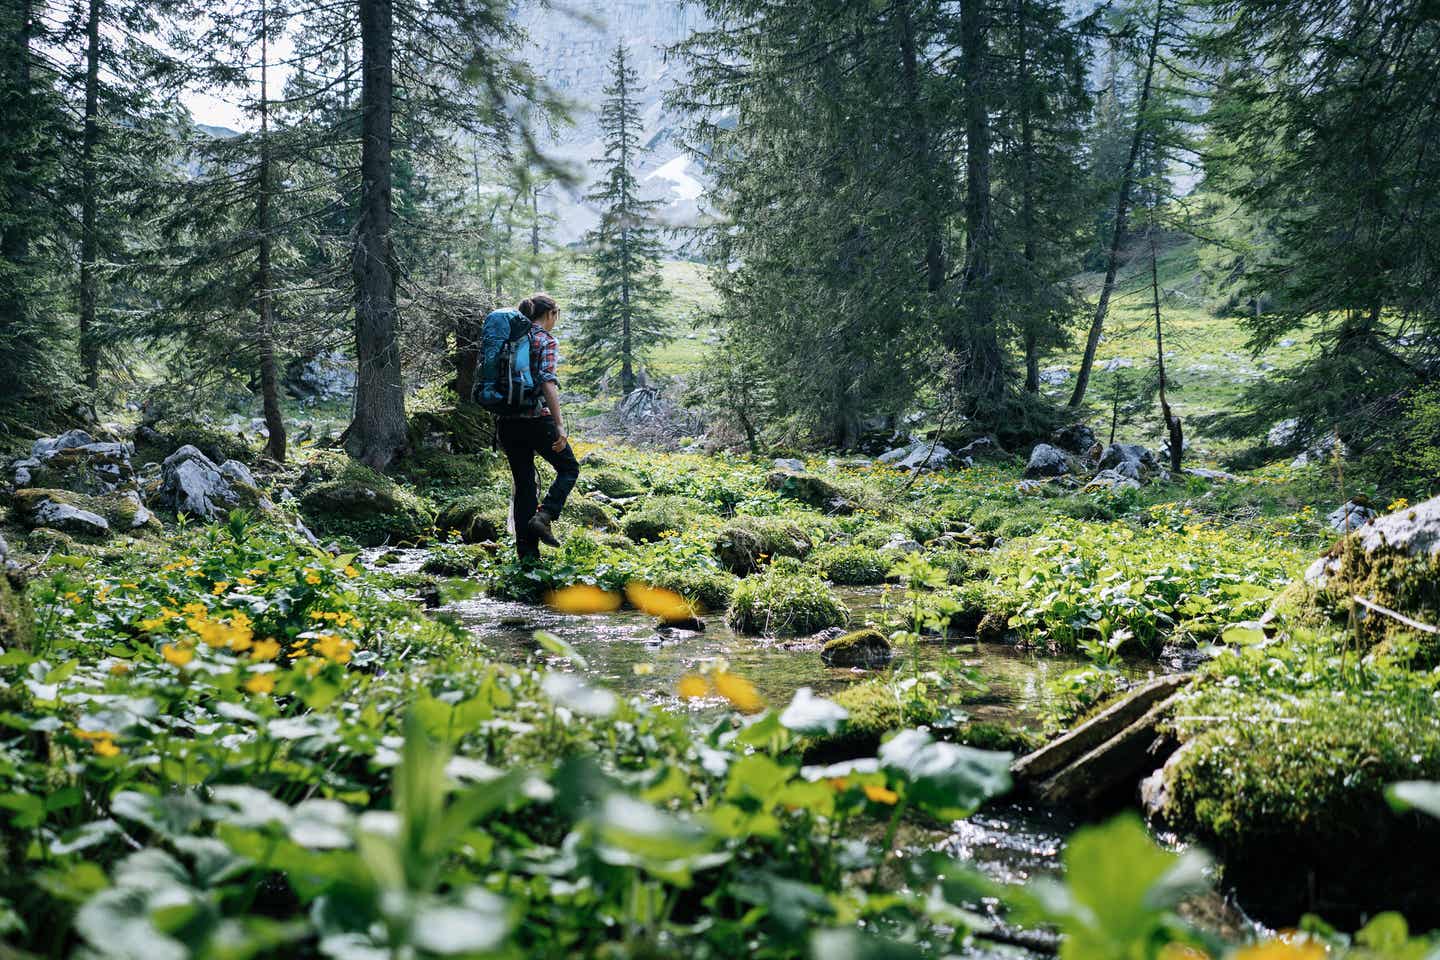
{"x": 574, "y": 40}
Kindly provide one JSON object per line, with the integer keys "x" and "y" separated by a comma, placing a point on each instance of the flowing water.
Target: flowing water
{"x": 1009, "y": 842}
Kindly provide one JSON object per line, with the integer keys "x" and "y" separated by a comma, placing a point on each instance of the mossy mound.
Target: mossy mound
{"x": 17, "y": 619}
{"x": 366, "y": 507}
{"x": 1290, "y": 793}
{"x": 785, "y": 602}
{"x": 460, "y": 429}
{"x": 438, "y": 470}
{"x": 119, "y": 511}
{"x": 987, "y": 735}
{"x": 712, "y": 589}
{"x": 586, "y": 512}
{"x": 1393, "y": 562}
{"x": 477, "y": 518}
{"x": 657, "y": 516}
{"x": 746, "y": 542}
{"x": 613, "y": 482}
{"x": 865, "y": 648}
{"x": 812, "y": 491}
{"x": 852, "y": 565}
{"x": 875, "y": 709}
{"x": 880, "y": 534}
{"x": 957, "y": 564}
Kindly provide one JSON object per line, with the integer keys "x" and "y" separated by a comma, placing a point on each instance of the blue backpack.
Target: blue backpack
{"x": 505, "y": 383}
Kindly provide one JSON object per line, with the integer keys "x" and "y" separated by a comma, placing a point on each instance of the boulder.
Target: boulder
{"x": 1321, "y": 452}
{"x": 1076, "y": 438}
{"x": 789, "y": 463}
{"x": 1350, "y": 516}
{"x": 895, "y": 455}
{"x": 981, "y": 448}
{"x": 238, "y": 472}
{"x": 1130, "y": 460}
{"x": 1217, "y": 476}
{"x": 811, "y": 490}
{"x": 926, "y": 457}
{"x": 1054, "y": 376}
{"x": 902, "y": 544}
{"x": 867, "y": 649}
{"x": 1118, "y": 363}
{"x": 192, "y": 484}
{"x": 1046, "y": 461}
{"x": 66, "y": 518}
{"x": 76, "y": 462}
{"x": 326, "y": 376}
{"x": 1111, "y": 480}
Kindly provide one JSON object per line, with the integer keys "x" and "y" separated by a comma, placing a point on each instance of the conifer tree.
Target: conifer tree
{"x": 622, "y": 313}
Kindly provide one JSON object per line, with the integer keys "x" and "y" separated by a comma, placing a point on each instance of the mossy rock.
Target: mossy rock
{"x": 812, "y": 491}
{"x": 586, "y": 512}
{"x": 43, "y": 540}
{"x": 852, "y": 565}
{"x": 867, "y": 649}
{"x": 1394, "y": 562}
{"x": 879, "y": 535}
{"x": 657, "y": 516}
{"x": 745, "y": 543}
{"x": 366, "y": 507}
{"x": 17, "y": 618}
{"x": 614, "y": 483}
{"x": 994, "y": 627}
{"x": 429, "y": 469}
{"x": 986, "y": 735}
{"x": 452, "y": 561}
{"x": 785, "y": 603}
{"x": 477, "y": 518}
{"x": 875, "y": 710}
{"x": 119, "y": 511}
{"x": 712, "y": 589}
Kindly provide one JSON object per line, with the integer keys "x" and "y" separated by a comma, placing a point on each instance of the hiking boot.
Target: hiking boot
{"x": 539, "y": 527}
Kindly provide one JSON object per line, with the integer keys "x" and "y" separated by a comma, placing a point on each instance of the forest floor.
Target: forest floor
{"x": 224, "y": 740}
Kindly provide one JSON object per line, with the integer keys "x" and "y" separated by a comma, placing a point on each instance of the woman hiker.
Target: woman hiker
{"x": 541, "y": 431}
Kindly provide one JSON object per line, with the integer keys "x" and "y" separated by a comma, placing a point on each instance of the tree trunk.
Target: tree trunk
{"x": 377, "y": 434}
{"x": 1172, "y": 422}
{"x": 15, "y": 236}
{"x": 1027, "y": 192}
{"x": 920, "y": 138}
{"x": 981, "y": 373}
{"x": 264, "y": 280}
{"x": 1122, "y": 209}
{"x": 89, "y": 200}
{"x": 627, "y": 365}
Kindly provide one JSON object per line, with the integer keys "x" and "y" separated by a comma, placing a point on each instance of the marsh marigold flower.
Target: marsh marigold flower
{"x": 176, "y": 654}
{"x": 261, "y": 683}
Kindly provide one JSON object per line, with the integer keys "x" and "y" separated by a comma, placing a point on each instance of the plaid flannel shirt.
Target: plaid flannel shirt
{"x": 545, "y": 357}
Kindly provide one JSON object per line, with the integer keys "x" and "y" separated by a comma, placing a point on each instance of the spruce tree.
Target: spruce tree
{"x": 622, "y": 312}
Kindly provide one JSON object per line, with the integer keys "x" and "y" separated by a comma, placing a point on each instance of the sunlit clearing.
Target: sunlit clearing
{"x": 740, "y": 692}
{"x": 658, "y": 602}
{"x": 582, "y": 598}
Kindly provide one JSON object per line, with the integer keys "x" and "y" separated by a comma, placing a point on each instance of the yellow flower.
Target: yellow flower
{"x": 1399, "y": 504}
{"x": 119, "y": 668}
{"x": 643, "y": 669}
{"x": 265, "y": 650}
{"x": 94, "y": 735}
{"x": 350, "y": 571}
{"x": 195, "y": 609}
{"x": 245, "y": 581}
{"x": 878, "y": 794}
{"x": 168, "y": 614}
{"x": 332, "y": 647}
{"x": 692, "y": 686}
{"x": 131, "y": 586}
{"x": 149, "y": 625}
{"x": 212, "y": 632}
{"x": 106, "y": 748}
{"x": 740, "y": 692}
{"x": 176, "y": 654}
{"x": 311, "y": 577}
{"x": 260, "y": 683}
{"x": 219, "y": 588}
{"x": 1283, "y": 949}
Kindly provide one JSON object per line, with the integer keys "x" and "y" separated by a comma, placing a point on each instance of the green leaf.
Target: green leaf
{"x": 1419, "y": 795}
{"x": 946, "y": 780}
{"x": 809, "y": 715}
{"x": 479, "y": 924}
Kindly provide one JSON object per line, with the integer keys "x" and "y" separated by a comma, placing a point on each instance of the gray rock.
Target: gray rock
{"x": 1046, "y": 461}
{"x": 897, "y": 454}
{"x": 1219, "y": 476}
{"x": 304, "y": 532}
{"x": 47, "y": 447}
{"x": 1318, "y": 574}
{"x": 1414, "y": 531}
{"x": 790, "y": 463}
{"x": 1283, "y": 433}
{"x": 1321, "y": 452}
{"x": 866, "y": 649}
{"x": 1287, "y": 343}
{"x": 981, "y": 448}
{"x": 328, "y": 376}
{"x": 1130, "y": 460}
{"x": 1111, "y": 480}
{"x": 192, "y": 484}
{"x": 902, "y": 545}
{"x": 1054, "y": 376}
{"x": 1350, "y": 517}
{"x": 923, "y": 457}
{"x": 235, "y": 470}
{"x": 1119, "y": 363}
{"x": 68, "y": 519}
{"x": 76, "y": 462}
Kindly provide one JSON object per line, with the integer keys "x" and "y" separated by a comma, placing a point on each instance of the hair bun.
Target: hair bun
{"x": 527, "y": 307}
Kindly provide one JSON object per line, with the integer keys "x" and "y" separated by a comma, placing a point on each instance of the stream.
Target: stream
{"x": 1008, "y": 842}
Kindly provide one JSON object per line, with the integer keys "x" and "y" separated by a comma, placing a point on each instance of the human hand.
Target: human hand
{"x": 561, "y": 442}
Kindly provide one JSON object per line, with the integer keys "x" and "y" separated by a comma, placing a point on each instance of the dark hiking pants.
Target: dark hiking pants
{"x": 522, "y": 438}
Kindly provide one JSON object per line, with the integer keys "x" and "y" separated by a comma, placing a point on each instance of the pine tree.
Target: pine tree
{"x": 622, "y": 313}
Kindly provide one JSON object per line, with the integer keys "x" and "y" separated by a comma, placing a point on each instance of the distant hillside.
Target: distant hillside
{"x": 219, "y": 133}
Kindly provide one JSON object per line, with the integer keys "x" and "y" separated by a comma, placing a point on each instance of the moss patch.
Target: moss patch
{"x": 712, "y": 589}
{"x": 158, "y": 441}
{"x": 785, "y": 603}
{"x": 744, "y": 544}
{"x": 852, "y": 565}
{"x": 866, "y": 648}
{"x": 615, "y": 483}
{"x": 366, "y": 507}
{"x": 658, "y": 516}
{"x": 17, "y": 619}
{"x": 477, "y": 518}
{"x": 586, "y": 512}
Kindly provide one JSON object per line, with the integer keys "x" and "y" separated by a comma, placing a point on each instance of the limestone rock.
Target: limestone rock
{"x": 1111, "y": 480}
{"x": 867, "y": 649}
{"x": 237, "y": 471}
{"x": 192, "y": 484}
{"x": 789, "y": 463}
{"x": 1130, "y": 460}
{"x": 902, "y": 545}
{"x": 1350, "y": 517}
{"x": 810, "y": 489}
{"x": 981, "y": 448}
{"x": 1283, "y": 433}
{"x": 76, "y": 462}
{"x": 1414, "y": 531}
{"x": 1046, "y": 461}
{"x": 1055, "y": 376}
{"x": 1218, "y": 476}
{"x": 327, "y": 376}
{"x": 68, "y": 519}
{"x": 1077, "y": 438}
